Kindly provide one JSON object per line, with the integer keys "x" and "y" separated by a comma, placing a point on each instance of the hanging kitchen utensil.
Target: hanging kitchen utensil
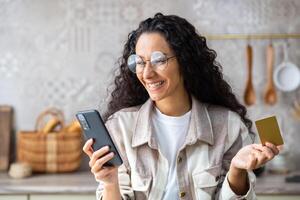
{"x": 287, "y": 74}
{"x": 270, "y": 96}
{"x": 249, "y": 95}
{"x": 296, "y": 110}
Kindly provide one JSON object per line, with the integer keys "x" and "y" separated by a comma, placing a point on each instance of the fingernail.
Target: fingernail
{"x": 269, "y": 144}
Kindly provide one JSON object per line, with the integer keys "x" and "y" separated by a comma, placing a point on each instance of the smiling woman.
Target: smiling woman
{"x": 179, "y": 128}
{"x": 162, "y": 79}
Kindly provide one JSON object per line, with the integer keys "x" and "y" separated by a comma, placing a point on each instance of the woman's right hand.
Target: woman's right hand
{"x": 107, "y": 175}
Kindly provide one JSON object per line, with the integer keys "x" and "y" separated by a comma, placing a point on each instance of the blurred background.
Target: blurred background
{"x": 62, "y": 53}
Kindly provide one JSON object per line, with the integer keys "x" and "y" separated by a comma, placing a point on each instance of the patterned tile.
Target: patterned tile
{"x": 9, "y": 65}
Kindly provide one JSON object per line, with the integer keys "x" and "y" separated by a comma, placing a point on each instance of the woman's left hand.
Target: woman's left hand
{"x": 254, "y": 156}
{"x": 249, "y": 157}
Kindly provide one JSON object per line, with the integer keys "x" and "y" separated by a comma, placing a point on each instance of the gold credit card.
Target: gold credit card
{"x": 269, "y": 131}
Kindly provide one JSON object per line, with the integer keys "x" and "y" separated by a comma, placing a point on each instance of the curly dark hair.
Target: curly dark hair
{"x": 201, "y": 72}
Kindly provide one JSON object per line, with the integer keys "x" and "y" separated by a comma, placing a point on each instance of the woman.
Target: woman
{"x": 180, "y": 130}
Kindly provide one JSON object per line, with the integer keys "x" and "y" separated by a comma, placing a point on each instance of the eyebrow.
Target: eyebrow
{"x": 143, "y": 58}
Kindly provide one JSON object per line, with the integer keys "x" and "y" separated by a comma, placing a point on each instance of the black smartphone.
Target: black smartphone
{"x": 94, "y": 127}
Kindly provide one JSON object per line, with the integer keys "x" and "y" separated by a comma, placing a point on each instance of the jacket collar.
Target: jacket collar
{"x": 200, "y": 127}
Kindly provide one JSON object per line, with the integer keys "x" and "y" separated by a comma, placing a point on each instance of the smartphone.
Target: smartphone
{"x": 94, "y": 127}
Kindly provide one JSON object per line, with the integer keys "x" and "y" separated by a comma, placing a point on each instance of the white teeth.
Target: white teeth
{"x": 155, "y": 85}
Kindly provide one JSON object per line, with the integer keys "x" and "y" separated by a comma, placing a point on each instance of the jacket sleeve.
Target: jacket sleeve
{"x": 124, "y": 170}
{"x": 238, "y": 136}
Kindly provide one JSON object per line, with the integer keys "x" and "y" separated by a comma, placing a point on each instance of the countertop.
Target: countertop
{"x": 84, "y": 183}
{"x": 69, "y": 183}
{"x": 275, "y": 184}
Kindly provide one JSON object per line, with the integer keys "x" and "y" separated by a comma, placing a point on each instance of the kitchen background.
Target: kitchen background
{"x": 62, "y": 53}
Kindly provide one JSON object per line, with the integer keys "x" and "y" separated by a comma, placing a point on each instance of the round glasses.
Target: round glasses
{"x": 158, "y": 61}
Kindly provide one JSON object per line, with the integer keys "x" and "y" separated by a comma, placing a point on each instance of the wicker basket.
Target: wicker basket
{"x": 52, "y": 147}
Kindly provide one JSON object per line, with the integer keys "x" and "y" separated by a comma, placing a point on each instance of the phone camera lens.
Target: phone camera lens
{"x": 83, "y": 122}
{"x": 81, "y": 117}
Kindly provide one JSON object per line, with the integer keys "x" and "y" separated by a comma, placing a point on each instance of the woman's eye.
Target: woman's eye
{"x": 158, "y": 61}
{"x": 140, "y": 63}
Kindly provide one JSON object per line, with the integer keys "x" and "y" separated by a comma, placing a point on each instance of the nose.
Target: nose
{"x": 148, "y": 70}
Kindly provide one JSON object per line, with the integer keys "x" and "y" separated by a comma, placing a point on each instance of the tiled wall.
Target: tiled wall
{"x": 62, "y": 52}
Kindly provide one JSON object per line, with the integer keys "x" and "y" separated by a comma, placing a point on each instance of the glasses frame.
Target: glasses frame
{"x": 152, "y": 66}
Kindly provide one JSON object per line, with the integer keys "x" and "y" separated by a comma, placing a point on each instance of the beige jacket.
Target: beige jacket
{"x": 214, "y": 136}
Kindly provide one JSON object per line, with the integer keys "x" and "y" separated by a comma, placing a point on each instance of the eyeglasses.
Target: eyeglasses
{"x": 158, "y": 61}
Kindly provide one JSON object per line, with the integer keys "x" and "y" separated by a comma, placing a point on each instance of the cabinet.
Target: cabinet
{"x": 63, "y": 197}
{"x": 49, "y": 197}
{"x": 278, "y": 197}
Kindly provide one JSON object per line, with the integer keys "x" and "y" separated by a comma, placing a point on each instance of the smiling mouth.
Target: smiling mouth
{"x": 156, "y": 85}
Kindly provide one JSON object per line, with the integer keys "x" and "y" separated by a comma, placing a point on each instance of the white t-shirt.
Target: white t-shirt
{"x": 170, "y": 133}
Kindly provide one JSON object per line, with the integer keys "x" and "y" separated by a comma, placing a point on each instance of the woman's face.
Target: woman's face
{"x": 160, "y": 83}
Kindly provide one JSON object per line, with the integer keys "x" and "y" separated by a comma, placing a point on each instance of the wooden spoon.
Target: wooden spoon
{"x": 249, "y": 95}
{"x": 296, "y": 110}
{"x": 270, "y": 96}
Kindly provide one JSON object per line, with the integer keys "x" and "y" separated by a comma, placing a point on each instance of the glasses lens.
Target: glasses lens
{"x": 158, "y": 58}
{"x": 131, "y": 62}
